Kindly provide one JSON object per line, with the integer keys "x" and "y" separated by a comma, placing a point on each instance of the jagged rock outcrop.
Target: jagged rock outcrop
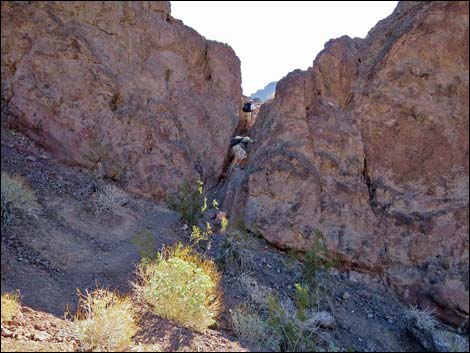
{"x": 122, "y": 88}
{"x": 369, "y": 147}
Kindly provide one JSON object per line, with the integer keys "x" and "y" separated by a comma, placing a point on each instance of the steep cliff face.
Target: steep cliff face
{"x": 122, "y": 88}
{"x": 369, "y": 147}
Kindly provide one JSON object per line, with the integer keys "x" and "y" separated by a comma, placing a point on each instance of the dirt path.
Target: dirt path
{"x": 67, "y": 246}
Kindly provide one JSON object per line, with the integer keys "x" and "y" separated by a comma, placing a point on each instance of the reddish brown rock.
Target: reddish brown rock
{"x": 369, "y": 147}
{"x": 122, "y": 88}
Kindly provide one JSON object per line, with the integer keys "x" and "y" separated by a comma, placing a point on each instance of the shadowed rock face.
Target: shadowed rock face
{"x": 370, "y": 147}
{"x": 121, "y": 88}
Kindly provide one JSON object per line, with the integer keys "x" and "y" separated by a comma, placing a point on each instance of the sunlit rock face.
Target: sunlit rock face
{"x": 121, "y": 88}
{"x": 369, "y": 148}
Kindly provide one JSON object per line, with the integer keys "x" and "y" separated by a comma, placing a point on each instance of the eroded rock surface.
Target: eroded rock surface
{"x": 122, "y": 88}
{"x": 369, "y": 148}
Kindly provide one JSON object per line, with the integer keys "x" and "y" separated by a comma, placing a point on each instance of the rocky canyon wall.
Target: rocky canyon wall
{"x": 121, "y": 88}
{"x": 369, "y": 147}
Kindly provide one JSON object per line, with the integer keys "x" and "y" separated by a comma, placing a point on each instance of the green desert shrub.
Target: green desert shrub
{"x": 198, "y": 234}
{"x": 17, "y": 200}
{"x": 104, "y": 322}
{"x": 292, "y": 333}
{"x": 180, "y": 285}
{"x": 10, "y": 305}
{"x": 189, "y": 201}
{"x": 316, "y": 258}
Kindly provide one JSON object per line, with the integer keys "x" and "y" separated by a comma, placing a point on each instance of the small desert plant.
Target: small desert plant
{"x": 303, "y": 300}
{"x": 222, "y": 216}
{"x": 293, "y": 335}
{"x": 145, "y": 243}
{"x": 104, "y": 321}
{"x": 10, "y": 305}
{"x": 235, "y": 257}
{"x": 197, "y": 234}
{"x": 109, "y": 200}
{"x": 315, "y": 258}
{"x": 17, "y": 199}
{"x": 251, "y": 327}
{"x": 422, "y": 319}
{"x": 182, "y": 286}
{"x": 257, "y": 292}
{"x": 189, "y": 201}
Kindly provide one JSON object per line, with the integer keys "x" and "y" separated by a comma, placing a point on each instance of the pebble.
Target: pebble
{"x": 346, "y": 296}
{"x": 31, "y": 158}
{"x": 370, "y": 316}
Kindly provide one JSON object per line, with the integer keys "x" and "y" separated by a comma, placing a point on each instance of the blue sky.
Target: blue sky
{"x": 274, "y": 38}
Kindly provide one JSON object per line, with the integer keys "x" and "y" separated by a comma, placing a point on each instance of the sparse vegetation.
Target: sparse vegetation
{"x": 273, "y": 325}
{"x": 10, "y": 305}
{"x": 222, "y": 216}
{"x": 17, "y": 200}
{"x": 182, "y": 286}
{"x": 189, "y": 201}
{"x": 251, "y": 327}
{"x": 235, "y": 257}
{"x": 257, "y": 292}
{"x": 303, "y": 300}
{"x": 145, "y": 243}
{"x": 109, "y": 200}
{"x": 293, "y": 335}
{"x": 315, "y": 258}
{"x": 104, "y": 321}
{"x": 422, "y": 319}
{"x": 198, "y": 234}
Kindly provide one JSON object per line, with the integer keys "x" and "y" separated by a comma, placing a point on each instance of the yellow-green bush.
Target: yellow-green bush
{"x": 104, "y": 321}
{"x": 181, "y": 286}
{"x": 10, "y": 305}
{"x": 17, "y": 199}
{"x": 198, "y": 234}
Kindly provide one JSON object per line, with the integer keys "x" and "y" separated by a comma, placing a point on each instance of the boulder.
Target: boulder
{"x": 120, "y": 88}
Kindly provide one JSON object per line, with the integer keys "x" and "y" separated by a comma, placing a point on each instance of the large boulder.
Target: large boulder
{"x": 369, "y": 149}
{"x": 121, "y": 88}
